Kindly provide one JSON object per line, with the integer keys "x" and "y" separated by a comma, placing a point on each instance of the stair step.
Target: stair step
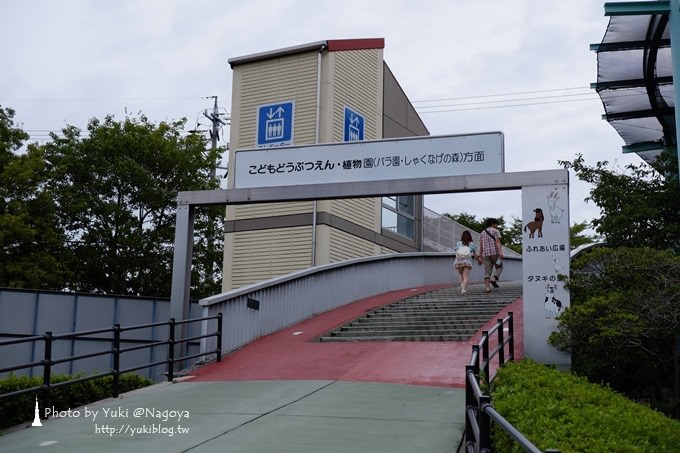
{"x": 405, "y": 331}
{"x": 397, "y": 338}
{"x": 443, "y": 308}
{"x": 434, "y": 316}
{"x": 386, "y": 324}
{"x": 440, "y": 315}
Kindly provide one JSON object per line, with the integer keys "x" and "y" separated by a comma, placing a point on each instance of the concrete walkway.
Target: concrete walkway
{"x": 258, "y": 417}
{"x": 285, "y": 393}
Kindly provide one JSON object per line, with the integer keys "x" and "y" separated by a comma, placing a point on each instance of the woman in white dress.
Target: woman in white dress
{"x": 465, "y": 250}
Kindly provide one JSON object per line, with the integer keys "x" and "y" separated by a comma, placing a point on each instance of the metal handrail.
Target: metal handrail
{"x": 48, "y": 361}
{"x": 479, "y": 412}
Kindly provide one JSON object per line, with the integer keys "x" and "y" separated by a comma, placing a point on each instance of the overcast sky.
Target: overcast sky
{"x": 522, "y": 67}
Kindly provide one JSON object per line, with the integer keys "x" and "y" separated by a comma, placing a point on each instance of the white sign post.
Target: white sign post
{"x": 545, "y": 256}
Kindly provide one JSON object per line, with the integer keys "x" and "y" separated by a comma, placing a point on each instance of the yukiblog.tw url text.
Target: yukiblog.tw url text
{"x": 131, "y": 431}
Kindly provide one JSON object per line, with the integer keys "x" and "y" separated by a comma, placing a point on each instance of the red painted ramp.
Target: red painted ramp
{"x": 292, "y": 353}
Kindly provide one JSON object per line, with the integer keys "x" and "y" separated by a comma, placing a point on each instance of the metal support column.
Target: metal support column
{"x": 674, "y": 23}
{"x": 181, "y": 265}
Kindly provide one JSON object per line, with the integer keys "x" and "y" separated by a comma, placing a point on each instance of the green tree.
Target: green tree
{"x": 11, "y": 137}
{"x": 470, "y": 221}
{"x": 578, "y": 237}
{"x": 31, "y": 244}
{"x": 512, "y": 236}
{"x": 639, "y": 207}
{"x": 467, "y": 220}
{"x": 624, "y": 318}
{"x": 116, "y": 193}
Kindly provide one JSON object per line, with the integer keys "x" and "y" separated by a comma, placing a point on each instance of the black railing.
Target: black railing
{"x": 479, "y": 412}
{"x": 172, "y": 358}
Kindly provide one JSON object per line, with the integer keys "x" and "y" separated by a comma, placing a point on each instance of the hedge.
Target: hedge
{"x": 20, "y": 409}
{"x": 559, "y": 410}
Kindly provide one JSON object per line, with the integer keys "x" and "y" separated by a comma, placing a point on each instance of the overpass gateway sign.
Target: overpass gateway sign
{"x": 376, "y": 160}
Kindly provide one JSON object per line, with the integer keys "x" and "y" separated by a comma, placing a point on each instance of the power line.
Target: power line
{"x": 105, "y": 99}
{"x": 527, "y": 104}
{"x": 513, "y": 102}
{"x": 102, "y": 99}
{"x": 501, "y": 94}
{"x": 593, "y": 95}
{"x": 478, "y": 102}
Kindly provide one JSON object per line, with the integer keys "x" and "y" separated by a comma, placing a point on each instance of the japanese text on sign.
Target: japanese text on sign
{"x": 545, "y": 248}
{"x": 370, "y": 160}
{"x": 392, "y": 161}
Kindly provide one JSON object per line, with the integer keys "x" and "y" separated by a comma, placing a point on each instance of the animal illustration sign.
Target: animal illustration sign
{"x": 551, "y": 304}
{"x": 536, "y": 224}
{"x": 545, "y": 260}
{"x": 555, "y": 211}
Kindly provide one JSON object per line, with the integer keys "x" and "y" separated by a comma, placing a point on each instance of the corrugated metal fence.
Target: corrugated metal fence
{"x": 27, "y": 313}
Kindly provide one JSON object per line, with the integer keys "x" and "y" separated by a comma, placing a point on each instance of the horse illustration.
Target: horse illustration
{"x": 536, "y": 224}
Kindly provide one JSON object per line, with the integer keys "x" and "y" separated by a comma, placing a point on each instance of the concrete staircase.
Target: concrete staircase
{"x": 441, "y": 315}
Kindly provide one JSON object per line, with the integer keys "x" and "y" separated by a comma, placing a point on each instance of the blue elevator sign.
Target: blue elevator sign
{"x": 275, "y": 124}
{"x": 354, "y": 126}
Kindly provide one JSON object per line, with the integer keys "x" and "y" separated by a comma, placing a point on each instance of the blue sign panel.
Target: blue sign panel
{"x": 275, "y": 124}
{"x": 354, "y": 126}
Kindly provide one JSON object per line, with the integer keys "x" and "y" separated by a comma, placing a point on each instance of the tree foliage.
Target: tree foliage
{"x": 31, "y": 244}
{"x": 639, "y": 207}
{"x": 578, "y": 235}
{"x": 468, "y": 220}
{"x": 512, "y": 234}
{"x": 95, "y": 212}
{"x": 624, "y": 318}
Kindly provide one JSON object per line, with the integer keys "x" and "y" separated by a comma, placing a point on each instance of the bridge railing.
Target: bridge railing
{"x": 112, "y": 335}
{"x": 479, "y": 412}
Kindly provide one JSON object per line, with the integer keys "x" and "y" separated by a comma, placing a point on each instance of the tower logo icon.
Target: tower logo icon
{"x": 36, "y": 418}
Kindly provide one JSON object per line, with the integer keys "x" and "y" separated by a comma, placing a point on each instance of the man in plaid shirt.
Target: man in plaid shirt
{"x": 490, "y": 253}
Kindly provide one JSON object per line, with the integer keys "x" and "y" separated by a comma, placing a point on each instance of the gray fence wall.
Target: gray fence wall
{"x": 26, "y": 313}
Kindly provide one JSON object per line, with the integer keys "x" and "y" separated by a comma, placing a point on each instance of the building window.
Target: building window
{"x": 398, "y": 215}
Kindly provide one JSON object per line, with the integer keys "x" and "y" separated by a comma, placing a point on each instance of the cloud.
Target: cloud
{"x": 68, "y": 61}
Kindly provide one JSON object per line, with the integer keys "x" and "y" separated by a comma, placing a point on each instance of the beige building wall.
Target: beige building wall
{"x": 267, "y": 240}
{"x": 263, "y": 249}
{"x": 351, "y": 79}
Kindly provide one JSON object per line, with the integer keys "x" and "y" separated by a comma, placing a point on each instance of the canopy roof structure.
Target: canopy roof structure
{"x": 635, "y": 74}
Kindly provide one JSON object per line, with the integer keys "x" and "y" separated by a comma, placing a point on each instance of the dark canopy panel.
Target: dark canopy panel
{"x": 635, "y": 82}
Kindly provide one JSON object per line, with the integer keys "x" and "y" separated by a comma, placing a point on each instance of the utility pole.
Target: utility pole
{"x": 216, "y": 118}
